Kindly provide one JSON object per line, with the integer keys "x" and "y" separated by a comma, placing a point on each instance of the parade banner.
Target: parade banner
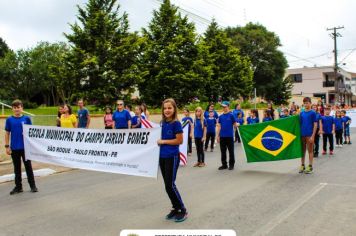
{"x": 122, "y": 151}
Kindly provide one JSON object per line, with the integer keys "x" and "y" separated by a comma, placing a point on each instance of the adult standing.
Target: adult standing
{"x": 121, "y": 117}
{"x": 68, "y": 120}
{"x": 83, "y": 115}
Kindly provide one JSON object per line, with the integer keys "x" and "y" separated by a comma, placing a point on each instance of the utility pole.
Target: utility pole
{"x": 334, "y": 35}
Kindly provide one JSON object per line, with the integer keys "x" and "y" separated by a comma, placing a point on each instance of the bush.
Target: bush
{"x": 29, "y": 105}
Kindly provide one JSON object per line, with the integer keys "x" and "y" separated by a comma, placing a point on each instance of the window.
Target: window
{"x": 296, "y": 78}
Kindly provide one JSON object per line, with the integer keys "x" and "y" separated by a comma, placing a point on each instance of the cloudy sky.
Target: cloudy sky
{"x": 301, "y": 25}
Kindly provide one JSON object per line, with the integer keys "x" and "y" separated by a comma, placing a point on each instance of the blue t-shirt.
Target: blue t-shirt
{"x": 83, "y": 118}
{"x": 198, "y": 129}
{"x": 236, "y": 113}
{"x": 211, "y": 125}
{"x": 188, "y": 118}
{"x": 345, "y": 119}
{"x": 14, "y": 126}
{"x": 327, "y": 122}
{"x": 318, "y": 118}
{"x": 206, "y": 114}
{"x": 169, "y": 131}
{"x": 121, "y": 118}
{"x": 240, "y": 121}
{"x": 134, "y": 121}
{"x": 227, "y": 125}
{"x": 307, "y": 121}
{"x": 338, "y": 123}
{"x": 251, "y": 120}
{"x": 267, "y": 119}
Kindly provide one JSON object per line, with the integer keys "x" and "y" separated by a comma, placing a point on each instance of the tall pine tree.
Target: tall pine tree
{"x": 104, "y": 52}
{"x": 232, "y": 73}
{"x": 172, "y": 63}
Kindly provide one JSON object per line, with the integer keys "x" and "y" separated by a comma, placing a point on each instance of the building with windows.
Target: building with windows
{"x": 321, "y": 82}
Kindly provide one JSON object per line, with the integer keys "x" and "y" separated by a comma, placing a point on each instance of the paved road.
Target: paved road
{"x": 254, "y": 199}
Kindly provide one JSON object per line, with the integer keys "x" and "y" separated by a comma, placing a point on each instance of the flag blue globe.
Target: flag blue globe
{"x": 272, "y": 140}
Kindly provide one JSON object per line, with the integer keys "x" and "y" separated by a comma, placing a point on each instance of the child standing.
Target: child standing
{"x": 253, "y": 118}
{"x": 172, "y": 137}
{"x": 83, "y": 115}
{"x": 328, "y": 130}
{"x": 339, "y": 127}
{"x": 285, "y": 114}
{"x": 211, "y": 131}
{"x": 188, "y": 119}
{"x": 239, "y": 121}
{"x": 317, "y": 133}
{"x": 347, "y": 121}
{"x": 108, "y": 121}
{"x": 308, "y": 125}
{"x": 267, "y": 116}
{"x": 16, "y": 148}
{"x": 136, "y": 120}
{"x": 199, "y": 136}
{"x": 225, "y": 136}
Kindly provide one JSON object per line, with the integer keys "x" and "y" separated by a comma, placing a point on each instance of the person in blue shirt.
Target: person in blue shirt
{"x": 121, "y": 117}
{"x": 225, "y": 136}
{"x": 189, "y": 120}
{"x": 253, "y": 118}
{"x": 347, "y": 121}
{"x": 327, "y": 130}
{"x": 317, "y": 133}
{"x": 236, "y": 112}
{"x": 172, "y": 137}
{"x": 199, "y": 136}
{"x": 208, "y": 109}
{"x": 339, "y": 128}
{"x": 210, "y": 131}
{"x": 240, "y": 121}
{"x": 136, "y": 120}
{"x": 267, "y": 116}
{"x": 285, "y": 114}
{"x": 83, "y": 115}
{"x": 308, "y": 125}
{"x": 16, "y": 148}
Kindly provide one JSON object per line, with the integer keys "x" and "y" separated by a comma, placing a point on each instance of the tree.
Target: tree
{"x": 269, "y": 63}
{"x": 172, "y": 63}
{"x": 8, "y": 76}
{"x": 3, "y": 48}
{"x": 232, "y": 74}
{"x": 104, "y": 53}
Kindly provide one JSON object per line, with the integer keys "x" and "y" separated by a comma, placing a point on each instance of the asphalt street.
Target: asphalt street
{"x": 254, "y": 199}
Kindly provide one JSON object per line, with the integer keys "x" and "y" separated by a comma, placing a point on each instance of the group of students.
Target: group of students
{"x": 206, "y": 126}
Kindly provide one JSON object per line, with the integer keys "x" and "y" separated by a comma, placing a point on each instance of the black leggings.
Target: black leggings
{"x": 169, "y": 168}
{"x": 199, "y": 147}
{"x": 331, "y": 142}
{"x": 16, "y": 156}
{"x": 338, "y": 136}
{"x": 210, "y": 136}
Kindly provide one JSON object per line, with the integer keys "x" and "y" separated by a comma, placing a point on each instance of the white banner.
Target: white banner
{"x": 123, "y": 151}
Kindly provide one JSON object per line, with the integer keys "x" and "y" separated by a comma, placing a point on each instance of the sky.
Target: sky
{"x": 300, "y": 24}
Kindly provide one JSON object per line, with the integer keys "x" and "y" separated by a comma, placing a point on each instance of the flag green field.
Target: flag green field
{"x": 272, "y": 141}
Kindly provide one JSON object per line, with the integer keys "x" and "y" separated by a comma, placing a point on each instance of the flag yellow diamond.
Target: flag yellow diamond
{"x": 272, "y": 140}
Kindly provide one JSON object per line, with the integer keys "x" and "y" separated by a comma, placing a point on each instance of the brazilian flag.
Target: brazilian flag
{"x": 272, "y": 141}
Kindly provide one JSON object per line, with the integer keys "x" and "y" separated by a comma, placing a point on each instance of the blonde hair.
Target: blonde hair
{"x": 174, "y": 104}
{"x": 201, "y": 116}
